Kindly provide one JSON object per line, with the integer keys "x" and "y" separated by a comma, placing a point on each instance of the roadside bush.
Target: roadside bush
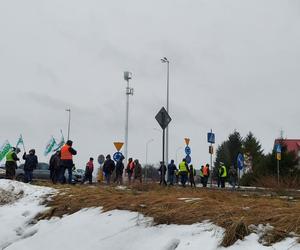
{"x": 248, "y": 179}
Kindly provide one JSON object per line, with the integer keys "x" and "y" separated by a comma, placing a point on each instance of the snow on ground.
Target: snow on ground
{"x": 91, "y": 229}
{"x": 14, "y": 217}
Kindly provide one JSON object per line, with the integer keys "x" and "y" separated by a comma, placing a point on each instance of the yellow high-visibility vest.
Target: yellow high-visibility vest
{"x": 182, "y": 167}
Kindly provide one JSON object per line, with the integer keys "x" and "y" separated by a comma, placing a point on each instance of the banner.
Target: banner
{"x": 4, "y": 149}
{"x": 50, "y": 145}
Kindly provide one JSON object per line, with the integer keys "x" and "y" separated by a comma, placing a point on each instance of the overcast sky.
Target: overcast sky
{"x": 233, "y": 65}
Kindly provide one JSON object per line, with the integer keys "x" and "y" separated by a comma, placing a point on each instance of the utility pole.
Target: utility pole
{"x": 69, "y": 123}
{"x": 165, "y": 60}
{"x": 129, "y": 91}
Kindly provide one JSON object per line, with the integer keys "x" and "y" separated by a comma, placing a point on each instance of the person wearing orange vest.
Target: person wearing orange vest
{"x": 66, "y": 161}
{"x": 205, "y": 172}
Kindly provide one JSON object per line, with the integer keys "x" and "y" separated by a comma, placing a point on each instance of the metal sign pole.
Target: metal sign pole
{"x": 163, "y": 157}
{"x": 278, "y": 171}
{"x": 211, "y": 155}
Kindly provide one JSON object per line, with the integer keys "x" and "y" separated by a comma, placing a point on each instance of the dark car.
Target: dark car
{"x": 41, "y": 172}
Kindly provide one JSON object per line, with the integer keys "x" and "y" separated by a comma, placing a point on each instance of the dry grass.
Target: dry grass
{"x": 234, "y": 211}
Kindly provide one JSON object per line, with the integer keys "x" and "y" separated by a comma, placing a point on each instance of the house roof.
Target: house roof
{"x": 291, "y": 144}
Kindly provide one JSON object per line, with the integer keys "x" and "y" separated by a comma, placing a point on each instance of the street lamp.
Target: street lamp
{"x": 129, "y": 91}
{"x": 69, "y": 123}
{"x": 147, "y": 144}
{"x": 165, "y": 60}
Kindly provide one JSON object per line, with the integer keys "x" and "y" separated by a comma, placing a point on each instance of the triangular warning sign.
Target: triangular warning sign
{"x": 187, "y": 141}
{"x": 118, "y": 145}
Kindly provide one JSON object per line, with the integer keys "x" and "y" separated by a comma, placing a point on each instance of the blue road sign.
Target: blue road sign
{"x": 188, "y": 159}
{"x": 278, "y": 148}
{"x": 211, "y": 137}
{"x": 117, "y": 156}
{"x": 188, "y": 150}
{"x": 240, "y": 161}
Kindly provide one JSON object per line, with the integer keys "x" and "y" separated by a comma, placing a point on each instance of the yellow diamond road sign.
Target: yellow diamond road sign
{"x": 187, "y": 141}
{"x": 118, "y": 145}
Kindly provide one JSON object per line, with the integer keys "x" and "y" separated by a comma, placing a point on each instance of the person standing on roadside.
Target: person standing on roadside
{"x": 201, "y": 175}
{"x": 162, "y": 170}
{"x": 232, "y": 176}
{"x": 54, "y": 166}
{"x": 138, "y": 171}
{"x": 130, "y": 169}
{"x": 89, "y": 168}
{"x": 11, "y": 163}
{"x": 192, "y": 175}
{"x": 183, "y": 172}
{"x": 171, "y": 172}
{"x": 66, "y": 161}
{"x": 222, "y": 174}
{"x": 119, "y": 170}
{"x": 31, "y": 162}
{"x": 108, "y": 168}
{"x": 205, "y": 175}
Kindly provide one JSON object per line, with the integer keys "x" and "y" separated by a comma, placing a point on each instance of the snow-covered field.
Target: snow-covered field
{"x": 92, "y": 229}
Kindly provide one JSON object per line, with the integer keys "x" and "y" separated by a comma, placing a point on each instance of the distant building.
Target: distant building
{"x": 292, "y": 145}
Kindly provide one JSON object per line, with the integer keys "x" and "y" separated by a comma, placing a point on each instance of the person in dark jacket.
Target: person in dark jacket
{"x": 54, "y": 166}
{"x": 192, "y": 173}
{"x": 137, "y": 171}
{"x": 162, "y": 170}
{"x": 119, "y": 170}
{"x": 171, "y": 172}
{"x": 11, "y": 163}
{"x": 66, "y": 161}
{"x": 31, "y": 162}
{"x": 88, "y": 175}
{"x": 108, "y": 168}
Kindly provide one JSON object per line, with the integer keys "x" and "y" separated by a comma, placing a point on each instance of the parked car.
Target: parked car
{"x": 78, "y": 175}
{"x": 41, "y": 172}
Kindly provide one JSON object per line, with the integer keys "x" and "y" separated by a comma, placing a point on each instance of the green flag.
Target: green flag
{"x": 20, "y": 141}
{"x": 60, "y": 144}
{"x": 49, "y": 147}
{"x": 4, "y": 149}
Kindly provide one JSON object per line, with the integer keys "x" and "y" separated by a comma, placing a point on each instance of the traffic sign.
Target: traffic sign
{"x": 118, "y": 145}
{"x": 187, "y": 141}
{"x": 211, "y": 150}
{"x": 211, "y": 137}
{"x": 188, "y": 150}
{"x": 278, "y": 148}
{"x": 188, "y": 159}
{"x": 278, "y": 156}
{"x": 163, "y": 118}
{"x": 117, "y": 156}
{"x": 101, "y": 159}
{"x": 240, "y": 161}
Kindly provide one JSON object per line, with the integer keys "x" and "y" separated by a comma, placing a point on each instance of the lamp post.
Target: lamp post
{"x": 69, "y": 122}
{"x": 129, "y": 91}
{"x": 165, "y": 60}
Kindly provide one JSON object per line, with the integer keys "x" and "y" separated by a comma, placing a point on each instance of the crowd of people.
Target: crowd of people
{"x": 111, "y": 171}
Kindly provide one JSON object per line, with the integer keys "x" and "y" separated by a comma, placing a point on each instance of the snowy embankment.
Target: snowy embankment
{"x": 89, "y": 229}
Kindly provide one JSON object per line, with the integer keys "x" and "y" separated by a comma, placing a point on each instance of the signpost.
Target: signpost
{"x": 278, "y": 157}
{"x": 211, "y": 139}
{"x": 187, "y": 151}
{"x": 163, "y": 119}
{"x": 240, "y": 164}
{"x": 101, "y": 160}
